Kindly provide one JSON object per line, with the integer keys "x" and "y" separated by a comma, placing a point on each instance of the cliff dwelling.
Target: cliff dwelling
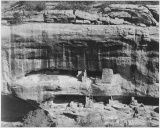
{"x": 80, "y": 63}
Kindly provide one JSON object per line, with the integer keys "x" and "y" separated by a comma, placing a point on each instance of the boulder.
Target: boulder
{"x": 68, "y": 13}
{"x": 107, "y": 9}
{"x": 118, "y": 21}
{"x": 126, "y": 23}
{"x": 36, "y": 18}
{"x": 154, "y": 9}
{"x": 79, "y": 21}
{"x": 132, "y": 13}
{"x": 120, "y": 14}
{"x": 86, "y": 22}
{"x": 141, "y": 111}
{"x": 142, "y": 25}
{"x": 86, "y": 15}
{"x": 156, "y": 109}
{"x": 129, "y": 6}
{"x": 73, "y": 105}
{"x": 154, "y": 114}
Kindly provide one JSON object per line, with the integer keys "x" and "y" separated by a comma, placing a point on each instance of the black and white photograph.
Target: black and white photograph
{"x": 79, "y": 63}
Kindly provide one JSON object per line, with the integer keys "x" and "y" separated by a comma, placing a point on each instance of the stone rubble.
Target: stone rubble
{"x": 112, "y": 114}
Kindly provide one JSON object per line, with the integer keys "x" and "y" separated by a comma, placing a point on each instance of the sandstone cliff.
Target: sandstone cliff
{"x": 84, "y": 63}
{"x": 131, "y": 51}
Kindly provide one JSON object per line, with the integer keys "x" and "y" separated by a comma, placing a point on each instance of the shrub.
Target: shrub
{"x": 79, "y": 5}
{"x": 85, "y": 121}
{"x": 35, "y": 5}
{"x": 37, "y": 118}
{"x": 17, "y": 17}
{"x": 31, "y": 5}
{"x": 91, "y": 120}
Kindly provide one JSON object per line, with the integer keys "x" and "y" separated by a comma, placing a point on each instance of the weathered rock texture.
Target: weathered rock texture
{"x": 131, "y": 13}
{"x": 113, "y": 14}
{"x": 131, "y": 51}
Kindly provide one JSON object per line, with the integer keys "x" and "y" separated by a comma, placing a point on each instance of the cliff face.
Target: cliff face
{"x": 131, "y": 51}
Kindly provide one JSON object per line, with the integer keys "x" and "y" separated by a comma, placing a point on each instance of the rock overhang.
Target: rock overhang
{"x": 124, "y": 48}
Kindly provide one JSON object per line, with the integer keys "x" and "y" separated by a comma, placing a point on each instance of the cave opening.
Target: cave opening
{"x": 148, "y": 100}
{"x": 60, "y": 99}
{"x": 50, "y": 71}
{"x": 73, "y": 73}
{"x": 143, "y": 100}
{"x": 65, "y": 99}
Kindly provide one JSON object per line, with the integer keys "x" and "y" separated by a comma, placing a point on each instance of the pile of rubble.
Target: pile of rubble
{"x": 112, "y": 114}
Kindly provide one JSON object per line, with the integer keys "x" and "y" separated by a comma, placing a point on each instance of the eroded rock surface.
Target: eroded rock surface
{"x": 132, "y": 53}
{"x": 72, "y": 70}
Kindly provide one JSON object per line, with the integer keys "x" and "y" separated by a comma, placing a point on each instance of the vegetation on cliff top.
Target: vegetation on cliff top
{"x": 31, "y": 5}
{"x": 38, "y": 118}
{"x": 80, "y": 5}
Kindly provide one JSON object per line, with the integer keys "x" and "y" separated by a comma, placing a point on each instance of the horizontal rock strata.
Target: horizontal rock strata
{"x": 132, "y": 53}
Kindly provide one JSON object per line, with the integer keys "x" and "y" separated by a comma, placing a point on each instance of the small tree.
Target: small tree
{"x": 38, "y": 118}
{"x": 35, "y": 5}
{"x": 17, "y": 17}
